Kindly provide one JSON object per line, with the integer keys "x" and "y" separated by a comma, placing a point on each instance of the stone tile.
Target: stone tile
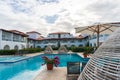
{"x": 58, "y": 73}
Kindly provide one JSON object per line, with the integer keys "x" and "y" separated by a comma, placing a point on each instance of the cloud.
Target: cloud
{"x": 47, "y": 16}
{"x": 51, "y": 19}
{"x": 108, "y": 10}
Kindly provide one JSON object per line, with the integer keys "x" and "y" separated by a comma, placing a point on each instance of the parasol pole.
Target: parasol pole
{"x": 98, "y": 35}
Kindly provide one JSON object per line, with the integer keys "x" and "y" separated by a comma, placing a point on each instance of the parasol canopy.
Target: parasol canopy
{"x": 98, "y": 29}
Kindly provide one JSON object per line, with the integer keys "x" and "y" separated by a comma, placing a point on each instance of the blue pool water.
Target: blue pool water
{"x": 11, "y": 59}
{"x": 29, "y": 68}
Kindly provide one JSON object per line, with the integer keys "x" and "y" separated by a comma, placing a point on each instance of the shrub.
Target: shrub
{"x": 88, "y": 50}
{"x": 8, "y": 52}
{"x": 77, "y": 49}
{"x": 55, "y": 48}
{"x": 82, "y": 49}
{"x": 30, "y": 50}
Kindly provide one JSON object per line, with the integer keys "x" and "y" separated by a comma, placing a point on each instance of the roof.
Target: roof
{"x": 80, "y": 36}
{"x": 62, "y": 38}
{"x": 15, "y": 32}
{"x": 60, "y": 33}
{"x": 40, "y": 38}
{"x": 18, "y": 32}
{"x": 33, "y": 32}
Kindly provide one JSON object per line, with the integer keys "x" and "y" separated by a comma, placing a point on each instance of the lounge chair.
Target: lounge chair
{"x": 62, "y": 49}
{"x": 73, "y": 70}
{"x": 48, "y": 50}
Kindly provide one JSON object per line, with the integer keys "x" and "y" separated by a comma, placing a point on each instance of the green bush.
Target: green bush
{"x": 8, "y": 52}
{"x": 55, "y": 48}
{"x": 82, "y": 49}
{"x": 30, "y": 50}
{"x": 88, "y": 50}
{"x": 77, "y": 49}
{"x": 22, "y": 51}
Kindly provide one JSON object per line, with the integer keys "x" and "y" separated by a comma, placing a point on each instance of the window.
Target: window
{"x": 72, "y": 45}
{"x": 6, "y": 47}
{"x": 6, "y": 36}
{"x": 80, "y": 45}
{"x": 16, "y": 37}
{"x": 31, "y": 46}
{"x": 22, "y": 46}
{"x": 38, "y": 47}
{"x": 72, "y": 41}
{"x": 46, "y": 42}
{"x": 94, "y": 45}
{"x": 16, "y": 47}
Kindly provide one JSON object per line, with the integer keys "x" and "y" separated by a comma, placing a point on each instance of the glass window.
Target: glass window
{"x": 6, "y": 47}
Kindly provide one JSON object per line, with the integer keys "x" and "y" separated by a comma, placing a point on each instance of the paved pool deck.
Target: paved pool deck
{"x": 58, "y": 73}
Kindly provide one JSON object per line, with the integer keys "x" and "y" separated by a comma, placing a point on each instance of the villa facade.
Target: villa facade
{"x": 32, "y": 39}
{"x": 12, "y": 39}
{"x": 93, "y": 39}
{"x": 58, "y": 39}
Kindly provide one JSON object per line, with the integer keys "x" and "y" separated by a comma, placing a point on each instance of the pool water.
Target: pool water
{"x": 29, "y": 68}
{"x": 11, "y": 58}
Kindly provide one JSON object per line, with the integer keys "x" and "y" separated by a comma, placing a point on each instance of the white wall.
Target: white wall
{"x": 0, "y": 38}
{"x": 13, "y": 44}
{"x": 66, "y": 36}
{"x": 68, "y": 43}
{"x": 101, "y": 40}
{"x": 33, "y": 35}
{"x": 61, "y": 36}
{"x": 52, "y": 36}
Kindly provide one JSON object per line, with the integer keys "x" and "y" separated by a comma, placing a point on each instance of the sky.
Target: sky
{"x": 47, "y": 16}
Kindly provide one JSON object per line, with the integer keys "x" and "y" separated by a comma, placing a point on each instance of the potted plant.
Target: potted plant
{"x": 87, "y": 51}
{"x": 50, "y": 62}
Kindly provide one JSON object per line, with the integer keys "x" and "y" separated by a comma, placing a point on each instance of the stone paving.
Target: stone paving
{"x": 58, "y": 73}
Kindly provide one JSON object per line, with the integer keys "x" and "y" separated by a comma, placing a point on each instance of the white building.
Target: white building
{"x": 12, "y": 39}
{"x": 33, "y": 36}
{"x": 61, "y": 38}
{"x": 93, "y": 39}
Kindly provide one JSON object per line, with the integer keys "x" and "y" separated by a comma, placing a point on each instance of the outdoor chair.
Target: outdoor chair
{"x": 62, "y": 50}
{"x": 48, "y": 50}
{"x": 73, "y": 70}
{"x": 83, "y": 65}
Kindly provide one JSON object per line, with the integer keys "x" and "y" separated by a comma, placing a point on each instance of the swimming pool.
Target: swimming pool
{"x": 29, "y": 68}
{"x": 12, "y": 59}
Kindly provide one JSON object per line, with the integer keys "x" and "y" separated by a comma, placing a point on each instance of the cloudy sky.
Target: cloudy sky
{"x": 47, "y": 16}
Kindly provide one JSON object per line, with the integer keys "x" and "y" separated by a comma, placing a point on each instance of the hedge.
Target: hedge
{"x": 88, "y": 49}
{"x": 8, "y": 52}
{"x": 77, "y": 49}
{"x": 83, "y": 49}
{"x": 30, "y": 50}
{"x": 55, "y": 48}
{"x": 22, "y": 51}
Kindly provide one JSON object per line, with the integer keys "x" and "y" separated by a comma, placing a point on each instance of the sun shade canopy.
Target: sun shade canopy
{"x": 98, "y": 29}
{"x": 103, "y": 28}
